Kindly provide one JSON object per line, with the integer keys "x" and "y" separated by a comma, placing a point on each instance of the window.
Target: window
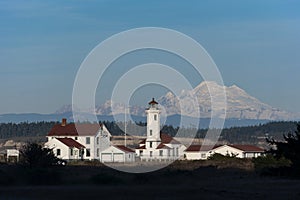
{"x": 71, "y": 151}
{"x": 203, "y": 155}
{"x": 97, "y": 140}
{"x": 76, "y": 138}
{"x": 58, "y": 152}
{"x": 161, "y": 152}
{"x": 97, "y": 152}
{"x": 88, "y": 152}
{"x": 87, "y": 140}
{"x": 177, "y": 152}
{"x": 150, "y": 144}
{"x": 150, "y": 132}
{"x": 155, "y": 117}
{"x": 141, "y": 152}
{"x": 150, "y": 153}
{"x": 169, "y": 152}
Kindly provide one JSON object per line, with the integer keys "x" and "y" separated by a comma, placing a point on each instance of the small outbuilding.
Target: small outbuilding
{"x": 202, "y": 152}
{"x": 240, "y": 150}
{"x": 199, "y": 152}
{"x": 117, "y": 153}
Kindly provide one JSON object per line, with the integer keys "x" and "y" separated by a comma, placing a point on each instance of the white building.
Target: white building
{"x": 117, "y": 153}
{"x": 10, "y": 154}
{"x": 80, "y": 141}
{"x": 240, "y": 151}
{"x": 158, "y": 146}
{"x": 198, "y": 152}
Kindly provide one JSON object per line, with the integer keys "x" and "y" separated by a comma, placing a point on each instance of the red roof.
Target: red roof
{"x": 70, "y": 142}
{"x": 72, "y": 130}
{"x": 152, "y": 102}
{"x": 123, "y": 148}
{"x": 247, "y": 148}
{"x": 201, "y": 147}
{"x": 165, "y": 138}
{"x": 142, "y": 147}
{"x": 162, "y": 146}
{"x": 143, "y": 141}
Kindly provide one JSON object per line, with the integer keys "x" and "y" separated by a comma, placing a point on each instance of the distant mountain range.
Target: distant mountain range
{"x": 240, "y": 105}
{"x": 242, "y": 109}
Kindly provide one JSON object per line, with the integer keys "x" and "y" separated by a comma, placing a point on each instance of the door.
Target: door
{"x": 106, "y": 157}
{"x": 118, "y": 157}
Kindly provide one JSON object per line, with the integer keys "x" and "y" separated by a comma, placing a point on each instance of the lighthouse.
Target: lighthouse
{"x": 157, "y": 146}
{"x": 153, "y": 125}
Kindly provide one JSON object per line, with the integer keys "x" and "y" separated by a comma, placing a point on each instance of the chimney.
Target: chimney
{"x": 63, "y": 122}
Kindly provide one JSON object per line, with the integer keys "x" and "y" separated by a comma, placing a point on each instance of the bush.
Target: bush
{"x": 269, "y": 165}
{"x": 34, "y": 155}
{"x": 220, "y": 157}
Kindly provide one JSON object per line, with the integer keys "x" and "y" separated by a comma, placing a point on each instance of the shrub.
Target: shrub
{"x": 220, "y": 157}
{"x": 270, "y": 165}
{"x": 34, "y": 155}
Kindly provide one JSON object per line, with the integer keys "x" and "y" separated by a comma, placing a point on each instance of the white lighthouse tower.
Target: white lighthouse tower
{"x": 157, "y": 146}
{"x": 153, "y": 125}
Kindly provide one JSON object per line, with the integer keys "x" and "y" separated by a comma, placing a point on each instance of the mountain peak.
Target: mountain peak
{"x": 240, "y": 104}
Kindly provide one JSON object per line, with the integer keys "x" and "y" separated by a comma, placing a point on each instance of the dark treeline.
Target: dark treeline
{"x": 249, "y": 134}
{"x": 25, "y": 129}
{"x": 254, "y": 134}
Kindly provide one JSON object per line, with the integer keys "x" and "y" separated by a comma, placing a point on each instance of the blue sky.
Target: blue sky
{"x": 254, "y": 43}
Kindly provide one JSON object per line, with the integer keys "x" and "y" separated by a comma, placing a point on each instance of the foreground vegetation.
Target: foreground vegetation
{"x": 218, "y": 178}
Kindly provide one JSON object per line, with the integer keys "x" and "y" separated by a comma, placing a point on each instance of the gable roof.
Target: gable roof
{"x": 165, "y": 138}
{"x": 162, "y": 146}
{"x": 142, "y": 147}
{"x": 75, "y": 130}
{"x": 70, "y": 142}
{"x": 143, "y": 141}
{"x": 201, "y": 148}
{"x": 247, "y": 148}
{"x": 123, "y": 148}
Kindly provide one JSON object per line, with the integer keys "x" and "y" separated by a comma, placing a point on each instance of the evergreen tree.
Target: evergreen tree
{"x": 289, "y": 148}
{"x": 34, "y": 155}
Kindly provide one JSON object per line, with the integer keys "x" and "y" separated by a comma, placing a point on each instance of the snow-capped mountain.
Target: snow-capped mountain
{"x": 109, "y": 108}
{"x": 240, "y": 105}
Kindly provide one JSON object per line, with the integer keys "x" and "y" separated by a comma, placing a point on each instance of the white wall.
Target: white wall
{"x": 196, "y": 155}
{"x": 227, "y": 150}
{"x": 55, "y": 144}
{"x": 113, "y": 154}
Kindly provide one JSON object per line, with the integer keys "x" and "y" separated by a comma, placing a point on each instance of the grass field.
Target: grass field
{"x": 181, "y": 180}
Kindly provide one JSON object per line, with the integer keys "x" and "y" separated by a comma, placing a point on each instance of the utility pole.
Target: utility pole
{"x": 125, "y": 128}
